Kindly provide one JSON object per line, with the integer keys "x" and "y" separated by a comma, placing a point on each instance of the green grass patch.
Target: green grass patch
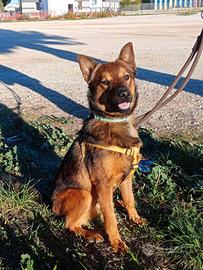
{"x": 169, "y": 196}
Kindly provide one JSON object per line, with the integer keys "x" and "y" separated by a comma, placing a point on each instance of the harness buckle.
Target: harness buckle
{"x": 129, "y": 152}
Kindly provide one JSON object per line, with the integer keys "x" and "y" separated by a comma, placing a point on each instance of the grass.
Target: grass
{"x": 168, "y": 192}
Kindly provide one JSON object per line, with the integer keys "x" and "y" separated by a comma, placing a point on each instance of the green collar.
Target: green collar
{"x": 110, "y": 120}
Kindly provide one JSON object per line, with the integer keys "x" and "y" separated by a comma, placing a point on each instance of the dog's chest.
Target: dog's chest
{"x": 108, "y": 167}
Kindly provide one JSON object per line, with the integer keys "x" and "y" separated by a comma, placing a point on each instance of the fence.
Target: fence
{"x": 149, "y": 8}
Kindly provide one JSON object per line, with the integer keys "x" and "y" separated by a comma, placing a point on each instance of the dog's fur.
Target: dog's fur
{"x": 85, "y": 182}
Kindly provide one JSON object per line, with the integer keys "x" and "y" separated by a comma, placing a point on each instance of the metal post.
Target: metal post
{"x": 155, "y": 4}
{"x": 160, "y": 4}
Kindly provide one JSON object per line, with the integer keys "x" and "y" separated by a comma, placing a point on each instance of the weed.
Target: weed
{"x": 186, "y": 236}
{"x": 169, "y": 196}
{"x": 26, "y": 262}
{"x": 16, "y": 199}
{"x": 8, "y": 157}
{"x": 54, "y": 136}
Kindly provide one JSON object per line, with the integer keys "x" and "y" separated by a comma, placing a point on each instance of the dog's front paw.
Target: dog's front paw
{"x": 137, "y": 219}
{"x": 119, "y": 246}
{"x": 95, "y": 237}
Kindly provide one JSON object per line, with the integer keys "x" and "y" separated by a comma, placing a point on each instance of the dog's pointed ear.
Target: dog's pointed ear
{"x": 127, "y": 55}
{"x": 87, "y": 65}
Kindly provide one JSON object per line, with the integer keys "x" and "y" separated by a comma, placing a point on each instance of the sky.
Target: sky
{"x": 14, "y": 1}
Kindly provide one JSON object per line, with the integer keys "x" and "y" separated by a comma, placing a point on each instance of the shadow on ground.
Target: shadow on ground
{"x": 38, "y": 41}
{"x": 9, "y": 77}
{"x": 34, "y": 155}
{"x": 51, "y": 250}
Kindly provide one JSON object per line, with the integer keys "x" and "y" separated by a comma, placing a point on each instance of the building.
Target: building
{"x": 29, "y": 6}
{"x": 58, "y": 7}
{"x": 171, "y": 4}
{"x": 98, "y": 5}
{"x": 50, "y": 7}
{"x": 62, "y": 7}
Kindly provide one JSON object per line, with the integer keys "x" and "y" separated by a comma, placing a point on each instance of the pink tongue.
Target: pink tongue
{"x": 124, "y": 105}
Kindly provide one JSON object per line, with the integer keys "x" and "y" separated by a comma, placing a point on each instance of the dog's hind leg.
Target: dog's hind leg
{"x": 77, "y": 208}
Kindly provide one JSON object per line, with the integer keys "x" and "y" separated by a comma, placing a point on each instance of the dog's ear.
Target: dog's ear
{"x": 127, "y": 55}
{"x": 87, "y": 65}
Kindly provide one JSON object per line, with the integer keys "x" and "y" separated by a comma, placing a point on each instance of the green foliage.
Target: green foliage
{"x": 169, "y": 196}
{"x": 6, "y": 2}
{"x": 1, "y": 6}
{"x": 159, "y": 185}
{"x": 26, "y": 262}
{"x": 15, "y": 199}
{"x": 22, "y": 150}
{"x": 124, "y": 3}
{"x": 54, "y": 136}
{"x": 186, "y": 236}
{"x": 8, "y": 157}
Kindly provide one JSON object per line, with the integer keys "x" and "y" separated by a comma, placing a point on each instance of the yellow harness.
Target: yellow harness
{"x": 133, "y": 152}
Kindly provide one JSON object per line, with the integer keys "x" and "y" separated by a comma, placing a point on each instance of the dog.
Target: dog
{"x": 106, "y": 152}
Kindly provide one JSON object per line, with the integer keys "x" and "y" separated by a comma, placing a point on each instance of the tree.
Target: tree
{"x": 1, "y": 6}
{"x": 5, "y": 2}
{"x": 124, "y": 3}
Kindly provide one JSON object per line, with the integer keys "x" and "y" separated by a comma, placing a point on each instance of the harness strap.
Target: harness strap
{"x": 133, "y": 152}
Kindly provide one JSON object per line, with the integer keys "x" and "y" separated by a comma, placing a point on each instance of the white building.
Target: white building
{"x": 29, "y": 6}
{"x": 51, "y": 7}
{"x": 97, "y": 5}
{"x": 58, "y": 7}
{"x": 62, "y": 7}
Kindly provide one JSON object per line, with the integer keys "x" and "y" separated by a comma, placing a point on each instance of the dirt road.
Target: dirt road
{"x": 39, "y": 73}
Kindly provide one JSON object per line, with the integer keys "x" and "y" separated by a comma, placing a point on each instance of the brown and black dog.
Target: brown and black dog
{"x": 105, "y": 152}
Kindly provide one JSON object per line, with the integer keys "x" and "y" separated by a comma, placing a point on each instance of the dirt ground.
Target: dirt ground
{"x": 39, "y": 73}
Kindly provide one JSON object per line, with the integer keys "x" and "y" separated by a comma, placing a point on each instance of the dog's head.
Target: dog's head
{"x": 112, "y": 90}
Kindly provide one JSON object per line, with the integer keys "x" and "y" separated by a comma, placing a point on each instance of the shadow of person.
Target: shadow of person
{"x": 13, "y": 246}
{"x": 38, "y": 41}
{"x": 194, "y": 86}
{"x": 34, "y": 159}
{"x": 10, "y": 77}
{"x": 18, "y": 243}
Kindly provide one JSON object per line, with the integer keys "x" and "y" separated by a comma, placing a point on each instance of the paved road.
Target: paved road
{"x": 38, "y": 67}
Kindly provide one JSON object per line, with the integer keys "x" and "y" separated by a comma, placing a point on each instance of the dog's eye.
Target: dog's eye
{"x": 105, "y": 82}
{"x": 126, "y": 77}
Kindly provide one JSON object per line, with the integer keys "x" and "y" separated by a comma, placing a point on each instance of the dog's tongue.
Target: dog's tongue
{"x": 124, "y": 105}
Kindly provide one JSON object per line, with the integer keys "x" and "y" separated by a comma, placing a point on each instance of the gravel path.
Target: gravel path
{"x": 38, "y": 65}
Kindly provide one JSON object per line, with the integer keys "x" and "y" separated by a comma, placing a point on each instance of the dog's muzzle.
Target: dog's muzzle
{"x": 124, "y": 98}
{"x": 123, "y": 94}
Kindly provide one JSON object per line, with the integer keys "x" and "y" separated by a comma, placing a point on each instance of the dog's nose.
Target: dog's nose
{"x": 123, "y": 93}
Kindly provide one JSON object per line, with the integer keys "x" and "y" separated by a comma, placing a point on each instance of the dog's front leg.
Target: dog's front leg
{"x": 105, "y": 195}
{"x": 129, "y": 202}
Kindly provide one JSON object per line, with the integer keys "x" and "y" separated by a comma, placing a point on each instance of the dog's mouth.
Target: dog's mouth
{"x": 124, "y": 106}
